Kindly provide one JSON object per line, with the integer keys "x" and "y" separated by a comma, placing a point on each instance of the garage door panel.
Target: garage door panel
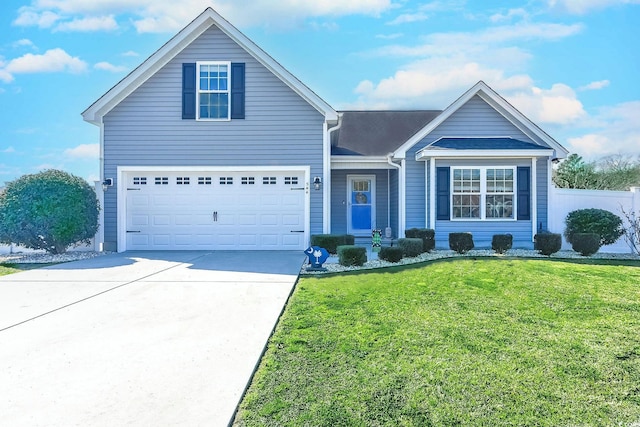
{"x": 212, "y": 210}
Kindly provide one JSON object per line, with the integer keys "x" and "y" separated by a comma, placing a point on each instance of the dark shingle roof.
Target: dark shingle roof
{"x": 498, "y": 143}
{"x": 377, "y": 133}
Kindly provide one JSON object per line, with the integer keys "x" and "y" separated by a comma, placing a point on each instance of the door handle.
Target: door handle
{"x": 215, "y": 216}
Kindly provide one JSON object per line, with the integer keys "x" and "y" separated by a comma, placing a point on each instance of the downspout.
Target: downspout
{"x": 388, "y": 232}
{"x": 327, "y": 178}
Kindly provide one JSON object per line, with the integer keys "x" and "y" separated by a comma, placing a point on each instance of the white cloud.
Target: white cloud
{"x": 408, "y": 18}
{"x": 95, "y": 23}
{"x": 54, "y": 60}
{"x": 448, "y": 64}
{"x": 31, "y": 16}
{"x": 581, "y": 7}
{"x": 24, "y": 43}
{"x": 84, "y": 151}
{"x": 616, "y": 131}
{"x": 389, "y": 36}
{"x": 105, "y": 66}
{"x": 9, "y": 150}
{"x": 166, "y": 16}
{"x": 511, "y": 13}
{"x": 601, "y": 84}
{"x": 131, "y": 53}
{"x": 557, "y": 105}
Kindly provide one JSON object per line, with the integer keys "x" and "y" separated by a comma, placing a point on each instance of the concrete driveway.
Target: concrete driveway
{"x": 138, "y": 338}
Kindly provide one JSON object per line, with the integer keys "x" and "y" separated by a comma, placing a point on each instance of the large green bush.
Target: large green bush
{"x": 50, "y": 210}
{"x": 604, "y": 223}
{"x": 586, "y": 243}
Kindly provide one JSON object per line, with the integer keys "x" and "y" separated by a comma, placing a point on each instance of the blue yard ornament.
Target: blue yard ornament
{"x": 317, "y": 257}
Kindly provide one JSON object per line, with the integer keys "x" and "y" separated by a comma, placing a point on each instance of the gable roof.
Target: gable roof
{"x": 180, "y": 41}
{"x": 377, "y": 133}
{"x": 503, "y": 107}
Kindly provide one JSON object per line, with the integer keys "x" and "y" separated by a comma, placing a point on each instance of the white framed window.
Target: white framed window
{"x": 214, "y": 90}
{"x": 483, "y": 193}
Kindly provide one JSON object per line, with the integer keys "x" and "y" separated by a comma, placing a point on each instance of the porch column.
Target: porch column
{"x": 534, "y": 198}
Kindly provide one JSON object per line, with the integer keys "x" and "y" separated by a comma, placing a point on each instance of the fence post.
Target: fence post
{"x": 635, "y": 199}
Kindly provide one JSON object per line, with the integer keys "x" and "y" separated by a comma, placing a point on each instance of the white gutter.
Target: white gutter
{"x": 326, "y": 221}
{"x": 400, "y": 198}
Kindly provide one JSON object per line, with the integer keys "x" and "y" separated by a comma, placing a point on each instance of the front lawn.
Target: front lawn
{"x": 467, "y": 342}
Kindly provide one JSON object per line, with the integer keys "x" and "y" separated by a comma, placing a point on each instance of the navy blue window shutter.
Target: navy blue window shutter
{"x": 189, "y": 91}
{"x": 237, "y": 90}
{"x": 524, "y": 192}
{"x": 442, "y": 193}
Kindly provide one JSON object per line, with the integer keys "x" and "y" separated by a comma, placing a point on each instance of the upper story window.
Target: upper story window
{"x": 214, "y": 85}
{"x": 483, "y": 193}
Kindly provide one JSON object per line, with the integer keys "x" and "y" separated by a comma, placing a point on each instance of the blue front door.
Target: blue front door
{"x": 361, "y": 205}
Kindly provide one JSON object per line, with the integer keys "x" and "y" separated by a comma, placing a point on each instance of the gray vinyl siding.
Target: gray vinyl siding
{"x": 474, "y": 119}
{"x": 146, "y": 129}
{"x": 340, "y": 198}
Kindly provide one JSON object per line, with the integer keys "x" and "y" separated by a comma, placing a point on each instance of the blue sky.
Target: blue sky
{"x": 571, "y": 66}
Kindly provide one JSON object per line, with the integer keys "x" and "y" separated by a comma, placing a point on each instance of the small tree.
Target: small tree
{"x": 50, "y": 210}
{"x": 632, "y": 231}
{"x": 604, "y": 223}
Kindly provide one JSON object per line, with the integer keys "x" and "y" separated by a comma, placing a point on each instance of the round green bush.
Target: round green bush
{"x": 586, "y": 243}
{"x": 461, "y": 242}
{"x": 411, "y": 246}
{"x": 547, "y": 243}
{"x": 604, "y": 223}
{"x": 390, "y": 253}
{"x": 427, "y": 235}
{"x": 501, "y": 242}
{"x": 50, "y": 210}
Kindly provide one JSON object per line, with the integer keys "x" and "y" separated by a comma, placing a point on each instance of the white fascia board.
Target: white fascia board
{"x": 359, "y": 162}
{"x": 188, "y": 34}
{"x": 465, "y": 154}
{"x": 494, "y": 99}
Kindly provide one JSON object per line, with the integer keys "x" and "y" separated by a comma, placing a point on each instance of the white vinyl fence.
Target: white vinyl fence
{"x": 565, "y": 200}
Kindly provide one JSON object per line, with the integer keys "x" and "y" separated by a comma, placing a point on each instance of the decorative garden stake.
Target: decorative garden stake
{"x": 376, "y": 240}
{"x": 317, "y": 257}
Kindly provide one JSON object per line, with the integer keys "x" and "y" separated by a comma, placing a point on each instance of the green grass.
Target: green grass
{"x": 485, "y": 342}
{"x": 6, "y": 269}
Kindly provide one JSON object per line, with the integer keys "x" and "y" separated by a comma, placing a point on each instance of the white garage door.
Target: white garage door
{"x": 215, "y": 210}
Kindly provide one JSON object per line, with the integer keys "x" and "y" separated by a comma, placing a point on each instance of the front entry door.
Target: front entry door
{"x": 361, "y": 207}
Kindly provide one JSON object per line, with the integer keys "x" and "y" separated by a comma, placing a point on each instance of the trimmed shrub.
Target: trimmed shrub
{"x": 606, "y": 225}
{"x": 547, "y": 243}
{"x": 350, "y": 255}
{"x": 331, "y": 241}
{"x": 427, "y": 235}
{"x": 410, "y": 246}
{"x": 586, "y": 243}
{"x": 461, "y": 242}
{"x": 501, "y": 242}
{"x": 390, "y": 253}
{"x": 51, "y": 210}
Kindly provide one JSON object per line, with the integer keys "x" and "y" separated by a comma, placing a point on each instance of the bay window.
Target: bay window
{"x": 483, "y": 193}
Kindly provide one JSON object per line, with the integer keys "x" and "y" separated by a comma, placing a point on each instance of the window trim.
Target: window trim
{"x": 200, "y": 92}
{"x": 483, "y": 193}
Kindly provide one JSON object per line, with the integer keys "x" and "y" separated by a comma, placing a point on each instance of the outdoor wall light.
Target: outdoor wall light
{"x": 317, "y": 182}
{"x": 108, "y": 182}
